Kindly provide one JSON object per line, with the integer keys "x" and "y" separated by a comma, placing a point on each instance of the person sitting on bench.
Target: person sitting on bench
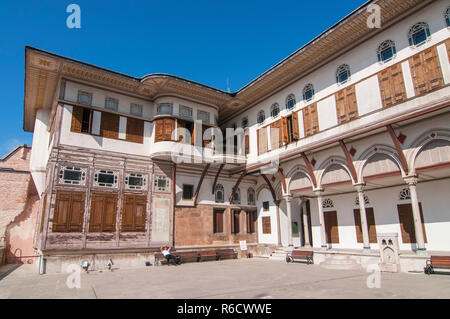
{"x": 165, "y": 250}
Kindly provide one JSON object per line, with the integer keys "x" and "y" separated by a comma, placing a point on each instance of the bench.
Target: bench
{"x": 300, "y": 255}
{"x": 185, "y": 256}
{"x": 437, "y": 262}
{"x": 208, "y": 255}
{"x": 226, "y": 253}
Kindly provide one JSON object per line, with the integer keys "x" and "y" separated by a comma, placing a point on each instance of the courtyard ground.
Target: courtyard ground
{"x": 244, "y": 278}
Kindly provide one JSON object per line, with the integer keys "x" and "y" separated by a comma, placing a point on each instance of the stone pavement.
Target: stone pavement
{"x": 244, "y": 278}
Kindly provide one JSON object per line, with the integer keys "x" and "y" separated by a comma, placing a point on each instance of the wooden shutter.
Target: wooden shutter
{"x": 346, "y": 104}
{"x": 331, "y": 227}
{"x": 310, "y": 119}
{"x": 134, "y": 213}
{"x": 250, "y": 222}
{"x": 392, "y": 86}
{"x": 406, "y": 218}
{"x": 275, "y": 135}
{"x": 370, "y": 222}
{"x": 426, "y": 71}
{"x": 266, "y": 226}
{"x": 262, "y": 140}
{"x": 77, "y": 117}
{"x": 69, "y": 212}
{"x": 135, "y": 130}
{"x": 235, "y": 224}
{"x": 159, "y": 130}
{"x": 247, "y": 144}
{"x": 218, "y": 220}
{"x": 109, "y": 125}
{"x": 284, "y": 131}
{"x": 169, "y": 127}
{"x": 103, "y": 213}
{"x": 295, "y": 126}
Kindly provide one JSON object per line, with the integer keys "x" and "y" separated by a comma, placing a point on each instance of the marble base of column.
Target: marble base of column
{"x": 422, "y": 252}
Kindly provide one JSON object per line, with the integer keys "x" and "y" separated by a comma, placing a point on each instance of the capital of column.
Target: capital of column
{"x": 319, "y": 191}
{"x": 360, "y": 187}
{"x": 411, "y": 180}
{"x": 288, "y": 198}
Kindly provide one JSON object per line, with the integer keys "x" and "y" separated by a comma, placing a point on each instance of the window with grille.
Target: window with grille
{"x": 70, "y": 175}
{"x": 342, "y": 74}
{"x": 290, "y": 102}
{"x": 112, "y": 104}
{"x": 203, "y": 116}
{"x": 308, "y": 92}
{"x": 219, "y": 193}
{"x": 274, "y": 110}
{"x": 135, "y": 181}
{"x": 261, "y": 117}
{"x": 185, "y": 111}
{"x": 164, "y": 108}
{"x": 136, "y": 109}
{"x": 386, "y": 51}
{"x": 84, "y": 98}
{"x": 106, "y": 178}
{"x": 161, "y": 184}
{"x": 419, "y": 34}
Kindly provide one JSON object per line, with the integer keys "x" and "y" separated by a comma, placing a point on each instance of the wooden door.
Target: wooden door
{"x": 134, "y": 213}
{"x": 406, "y": 218}
{"x": 370, "y": 223}
{"x": 331, "y": 227}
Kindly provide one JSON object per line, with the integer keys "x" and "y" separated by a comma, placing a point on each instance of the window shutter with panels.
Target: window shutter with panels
{"x": 247, "y": 144}
{"x": 69, "y": 212}
{"x": 398, "y": 84}
{"x": 103, "y": 213}
{"x": 76, "y": 212}
{"x": 169, "y": 126}
{"x": 110, "y": 125}
{"x": 109, "y": 221}
{"x": 266, "y": 226}
{"x": 406, "y": 218}
{"x": 77, "y": 117}
{"x": 295, "y": 126}
{"x": 159, "y": 130}
{"x": 284, "y": 130}
{"x": 331, "y": 227}
{"x": 275, "y": 135}
{"x": 370, "y": 223}
{"x": 135, "y": 130}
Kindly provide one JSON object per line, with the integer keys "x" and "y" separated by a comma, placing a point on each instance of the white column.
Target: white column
{"x": 323, "y": 239}
{"x": 412, "y": 183}
{"x": 305, "y": 224}
{"x": 289, "y": 216}
{"x": 362, "y": 212}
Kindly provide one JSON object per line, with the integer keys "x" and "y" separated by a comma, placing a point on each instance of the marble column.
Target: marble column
{"x": 323, "y": 238}
{"x": 420, "y": 238}
{"x": 307, "y": 243}
{"x": 363, "y": 214}
{"x": 289, "y": 217}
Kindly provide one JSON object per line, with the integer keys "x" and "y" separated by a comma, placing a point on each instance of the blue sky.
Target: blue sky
{"x": 205, "y": 41}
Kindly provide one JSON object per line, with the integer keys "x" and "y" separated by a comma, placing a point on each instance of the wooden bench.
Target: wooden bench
{"x": 226, "y": 253}
{"x": 208, "y": 255}
{"x": 442, "y": 262}
{"x": 301, "y": 255}
{"x": 185, "y": 256}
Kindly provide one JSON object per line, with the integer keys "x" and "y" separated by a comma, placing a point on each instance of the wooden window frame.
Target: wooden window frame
{"x": 266, "y": 225}
{"x": 235, "y": 215}
{"x": 218, "y": 220}
{"x": 371, "y": 224}
{"x": 102, "y": 226}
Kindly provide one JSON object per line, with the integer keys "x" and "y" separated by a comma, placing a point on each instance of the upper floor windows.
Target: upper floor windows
{"x": 419, "y": 34}
{"x": 250, "y": 196}
{"x": 386, "y": 51}
{"x": 219, "y": 197}
{"x": 161, "y": 184}
{"x": 164, "y": 108}
{"x": 447, "y": 17}
{"x": 72, "y": 175}
{"x": 290, "y": 102}
{"x": 185, "y": 111}
{"x": 342, "y": 73}
{"x": 203, "y": 116}
{"x": 135, "y": 181}
{"x": 106, "y": 178}
{"x": 308, "y": 92}
{"x": 244, "y": 122}
{"x": 84, "y": 98}
{"x": 274, "y": 110}
{"x": 136, "y": 109}
{"x": 111, "y": 104}
{"x": 261, "y": 117}
{"x": 236, "y": 197}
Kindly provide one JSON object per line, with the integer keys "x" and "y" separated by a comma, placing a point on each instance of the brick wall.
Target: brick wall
{"x": 194, "y": 226}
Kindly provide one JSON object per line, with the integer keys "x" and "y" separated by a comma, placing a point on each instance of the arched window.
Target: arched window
{"x": 308, "y": 92}
{"x": 237, "y": 197}
{"x": 250, "y": 196}
{"x": 290, "y": 102}
{"x": 261, "y": 117}
{"x": 386, "y": 51}
{"x": 366, "y": 200}
{"x": 342, "y": 73}
{"x": 274, "y": 110}
{"x": 419, "y": 34}
{"x": 244, "y": 122}
{"x": 447, "y": 16}
{"x": 219, "y": 193}
{"x": 327, "y": 203}
{"x": 405, "y": 194}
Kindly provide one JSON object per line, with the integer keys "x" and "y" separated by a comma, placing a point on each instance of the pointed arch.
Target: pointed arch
{"x": 373, "y": 150}
{"x": 332, "y": 161}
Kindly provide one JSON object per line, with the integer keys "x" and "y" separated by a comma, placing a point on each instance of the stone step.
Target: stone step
{"x": 340, "y": 262}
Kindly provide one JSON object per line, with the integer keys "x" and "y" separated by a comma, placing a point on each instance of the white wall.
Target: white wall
{"x": 265, "y": 195}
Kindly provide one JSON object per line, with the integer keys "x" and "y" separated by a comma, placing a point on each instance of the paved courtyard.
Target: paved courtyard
{"x": 245, "y": 278}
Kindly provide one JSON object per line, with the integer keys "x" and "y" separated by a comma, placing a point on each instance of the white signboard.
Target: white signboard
{"x": 243, "y": 244}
